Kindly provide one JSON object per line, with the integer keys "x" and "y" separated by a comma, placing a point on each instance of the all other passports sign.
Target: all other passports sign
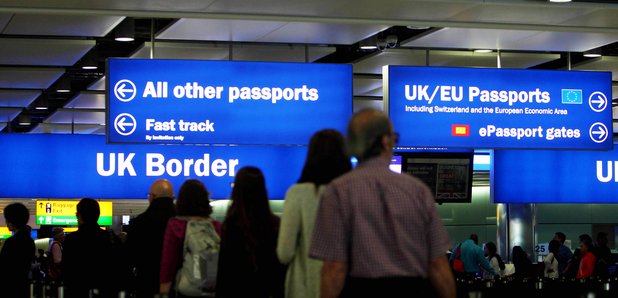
{"x": 558, "y": 176}
{"x": 224, "y": 102}
{"x": 76, "y": 166}
{"x": 499, "y": 108}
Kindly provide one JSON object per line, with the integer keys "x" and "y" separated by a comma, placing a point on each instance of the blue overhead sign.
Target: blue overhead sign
{"x": 75, "y": 166}
{"x": 499, "y": 108}
{"x": 558, "y": 176}
{"x": 224, "y": 102}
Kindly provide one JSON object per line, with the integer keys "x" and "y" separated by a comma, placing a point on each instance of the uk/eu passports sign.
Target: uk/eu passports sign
{"x": 224, "y": 102}
{"x": 499, "y": 108}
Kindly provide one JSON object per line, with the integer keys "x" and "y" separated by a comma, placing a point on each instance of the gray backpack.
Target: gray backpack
{"x": 198, "y": 274}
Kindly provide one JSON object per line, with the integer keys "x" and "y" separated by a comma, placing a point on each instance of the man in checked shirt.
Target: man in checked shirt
{"x": 378, "y": 232}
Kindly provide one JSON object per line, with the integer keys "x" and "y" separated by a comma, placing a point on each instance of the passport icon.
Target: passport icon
{"x": 572, "y": 96}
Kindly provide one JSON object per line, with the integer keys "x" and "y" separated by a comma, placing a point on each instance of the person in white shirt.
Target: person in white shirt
{"x": 494, "y": 260}
{"x": 550, "y": 261}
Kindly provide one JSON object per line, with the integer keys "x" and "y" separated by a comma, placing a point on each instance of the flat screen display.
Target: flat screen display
{"x": 448, "y": 175}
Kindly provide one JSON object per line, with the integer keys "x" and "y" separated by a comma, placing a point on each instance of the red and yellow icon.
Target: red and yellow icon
{"x": 460, "y": 130}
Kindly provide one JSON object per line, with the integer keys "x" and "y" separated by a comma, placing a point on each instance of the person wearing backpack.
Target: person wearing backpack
{"x": 54, "y": 256}
{"x": 248, "y": 264}
{"x": 191, "y": 243}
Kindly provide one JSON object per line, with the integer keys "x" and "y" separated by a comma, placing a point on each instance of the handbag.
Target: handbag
{"x": 457, "y": 263}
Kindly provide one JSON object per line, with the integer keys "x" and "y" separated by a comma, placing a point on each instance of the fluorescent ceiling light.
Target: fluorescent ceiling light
{"x": 483, "y": 51}
{"x": 560, "y": 1}
{"x": 592, "y": 55}
{"x": 368, "y": 47}
{"x": 41, "y": 108}
{"x": 89, "y": 67}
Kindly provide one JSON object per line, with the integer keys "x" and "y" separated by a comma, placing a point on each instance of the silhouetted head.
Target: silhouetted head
{"x": 193, "y": 199}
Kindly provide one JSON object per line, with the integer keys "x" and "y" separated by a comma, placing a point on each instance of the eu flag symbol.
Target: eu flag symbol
{"x": 572, "y": 96}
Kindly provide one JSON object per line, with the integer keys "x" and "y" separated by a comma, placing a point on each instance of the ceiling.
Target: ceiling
{"x": 44, "y": 44}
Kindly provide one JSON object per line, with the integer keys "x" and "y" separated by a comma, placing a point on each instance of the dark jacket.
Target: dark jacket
{"x": 87, "y": 261}
{"x": 145, "y": 241}
{"x": 237, "y": 275}
{"x": 15, "y": 260}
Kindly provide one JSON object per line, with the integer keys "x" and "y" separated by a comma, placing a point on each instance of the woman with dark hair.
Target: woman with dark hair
{"x": 550, "y": 261}
{"x": 523, "y": 265}
{"x": 326, "y": 160}
{"x": 588, "y": 259}
{"x": 17, "y": 252}
{"x": 494, "y": 259}
{"x": 193, "y": 212}
{"x": 248, "y": 265}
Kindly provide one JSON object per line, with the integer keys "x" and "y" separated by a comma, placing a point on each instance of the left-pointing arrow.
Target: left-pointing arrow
{"x": 121, "y": 89}
{"x": 123, "y": 125}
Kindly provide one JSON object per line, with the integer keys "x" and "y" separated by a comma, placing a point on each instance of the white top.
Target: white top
{"x": 551, "y": 266}
{"x": 494, "y": 265}
{"x": 297, "y": 221}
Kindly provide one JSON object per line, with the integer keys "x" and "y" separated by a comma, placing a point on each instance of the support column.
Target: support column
{"x": 521, "y": 225}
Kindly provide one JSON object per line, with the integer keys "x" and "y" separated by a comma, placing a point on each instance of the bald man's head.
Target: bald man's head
{"x": 366, "y": 134}
{"x": 161, "y": 188}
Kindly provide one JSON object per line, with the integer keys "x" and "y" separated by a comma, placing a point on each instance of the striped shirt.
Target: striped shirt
{"x": 380, "y": 223}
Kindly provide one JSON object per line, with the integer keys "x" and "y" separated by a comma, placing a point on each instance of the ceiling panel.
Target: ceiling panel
{"x": 87, "y": 101}
{"x": 4, "y": 20}
{"x": 68, "y": 116}
{"x": 402, "y": 9}
{"x": 367, "y": 87}
{"x": 177, "y": 50}
{"x": 537, "y": 14}
{"x": 602, "y": 18}
{"x": 8, "y": 114}
{"x": 279, "y": 53}
{"x": 314, "y": 33}
{"x": 602, "y": 64}
{"x": 243, "y": 52}
{"x": 95, "y": 129}
{"x": 373, "y": 64}
{"x": 471, "y": 59}
{"x": 17, "y": 98}
{"x": 219, "y": 30}
{"x": 2, "y": 125}
{"x": 54, "y": 52}
{"x": 466, "y": 38}
{"x": 99, "y": 85}
{"x": 28, "y": 78}
{"x": 360, "y": 103}
{"x": 61, "y": 25}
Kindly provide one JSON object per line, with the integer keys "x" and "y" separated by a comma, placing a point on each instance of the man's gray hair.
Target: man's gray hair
{"x": 365, "y": 132}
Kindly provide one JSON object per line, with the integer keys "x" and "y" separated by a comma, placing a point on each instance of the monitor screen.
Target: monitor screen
{"x": 448, "y": 174}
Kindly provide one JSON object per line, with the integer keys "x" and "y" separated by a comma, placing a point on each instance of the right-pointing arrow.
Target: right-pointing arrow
{"x": 600, "y": 101}
{"x": 601, "y": 132}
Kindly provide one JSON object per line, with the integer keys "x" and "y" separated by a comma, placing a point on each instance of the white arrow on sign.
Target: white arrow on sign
{"x": 121, "y": 89}
{"x": 601, "y": 132}
{"x": 123, "y": 125}
{"x": 41, "y": 218}
{"x": 597, "y": 101}
{"x": 123, "y": 122}
{"x": 598, "y": 132}
{"x": 125, "y": 90}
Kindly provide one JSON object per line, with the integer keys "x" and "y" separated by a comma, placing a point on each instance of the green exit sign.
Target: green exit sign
{"x": 60, "y": 220}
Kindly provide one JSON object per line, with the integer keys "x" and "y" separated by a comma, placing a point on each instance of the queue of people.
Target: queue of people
{"x": 587, "y": 261}
{"x": 335, "y": 237}
{"x": 343, "y": 233}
